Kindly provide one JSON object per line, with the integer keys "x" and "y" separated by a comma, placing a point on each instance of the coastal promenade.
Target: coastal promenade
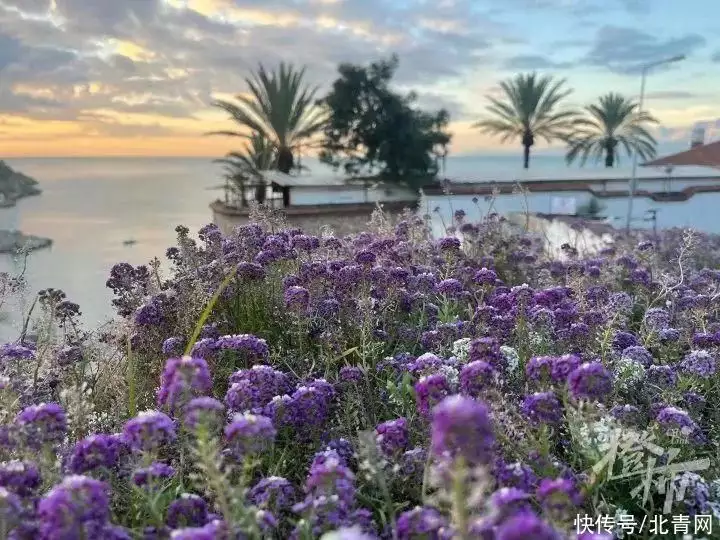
{"x": 657, "y": 188}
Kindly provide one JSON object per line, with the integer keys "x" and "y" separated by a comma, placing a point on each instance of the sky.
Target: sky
{"x": 137, "y": 77}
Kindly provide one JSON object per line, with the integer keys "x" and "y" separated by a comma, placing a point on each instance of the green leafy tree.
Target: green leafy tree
{"x": 528, "y": 110}
{"x": 244, "y": 168}
{"x": 279, "y": 107}
{"x": 609, "y": 126}
{"x": 375, "y": 129}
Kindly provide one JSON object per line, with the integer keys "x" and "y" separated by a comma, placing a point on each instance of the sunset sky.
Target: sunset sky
{"x": 136, "y": 77}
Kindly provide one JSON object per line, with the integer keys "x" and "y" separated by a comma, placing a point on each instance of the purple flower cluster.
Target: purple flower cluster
{"x": 249, "y": 434}
{"x": 42, "y": 424}
{"x": 149, "y": 431}
{"x": 461, "y": 427}
{"x": 183, "y": 379}
{"x": 392, "y": 437}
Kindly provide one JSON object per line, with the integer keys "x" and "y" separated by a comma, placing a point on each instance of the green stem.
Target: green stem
{"x": 459, "y": 499}
{"x": 132, "y": 391}
{"x": 208, "y": 309}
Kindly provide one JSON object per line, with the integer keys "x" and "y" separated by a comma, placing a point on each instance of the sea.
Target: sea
{"x": 100, "y": 211}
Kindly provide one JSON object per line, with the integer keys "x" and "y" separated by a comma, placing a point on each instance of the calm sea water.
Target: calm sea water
{"x": 90, "y": 206}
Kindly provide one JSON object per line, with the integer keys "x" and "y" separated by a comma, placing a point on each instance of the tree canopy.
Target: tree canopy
{"x": 373, "y": 129}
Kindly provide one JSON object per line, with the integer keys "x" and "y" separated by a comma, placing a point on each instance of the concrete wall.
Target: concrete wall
{"x": 339, "y": 223}
{"x": 319, "y": 195}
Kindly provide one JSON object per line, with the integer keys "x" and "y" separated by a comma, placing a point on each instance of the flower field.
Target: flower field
{"x": 271, "y": 384}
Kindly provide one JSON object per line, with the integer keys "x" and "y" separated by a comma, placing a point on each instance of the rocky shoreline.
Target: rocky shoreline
{"x": 14, "y": 186}
{"x": 15, "y": 242}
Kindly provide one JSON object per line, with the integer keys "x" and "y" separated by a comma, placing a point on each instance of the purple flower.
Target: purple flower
{"x": 515, "y": 475}
{"x": 638, "y": 354}
{"x": 699, "y": 363}
{"x": 662, "y": 376}
{"x": 188, "y": 511}
{"x": 392, "y": 437}
{"x": 250, "y": 346}
{"x": 476, "y": 377}
{"x": 251, "y": 271}
{"x": 508, "y": 501}
{"x": 539, "y": 368}
{"x": 156, "y": 472}
{"x": 296, "y": 298}
{"x": 149, "y": 430}
{"x": 273, "y": 493}
{"x": 249, "y": 434}
{"x": 173, "y": 346}
{"x": 69, "y": 355}
{"x": 627, "y": 414}
{"x": 623, "y": 340}
{"x": 562, "y": 366}
{"x": 558, "y": 496}
{"x": 678, "y": 422}
{"x": 669, "y": 335}
{"x": 305, "y": 242}
{"x": 429, "y": 391}
{"x": 461, "y": 426}
{"x": 19, "y": 477}
{"x": 77, "y": 507}
{"x": 11, "y": 512}
{"x": 657, "y": 318}
{"x": 95, "y": 451}
{"x": 590, "y": 381}
{"x": 422, "y": 522}
{"x": 14, "y": 351}
{"x": 526, "y": 526}
{"x": 425, "y": 364}
{"x": 351, "y": 374}
{"x": 449, "y": 287}
{"x": 204, "y": 411}
{"x": 330, "y": 489}
{"x": 215, "y": 530}
{"x": 486, "y": 349}
{"x": 40, "y": 424}
{"x": 365, "y": 257}
{"x": 543, "y": 408}
{"x": 204, "y": 348}
{"x": 256, "y": 387}
{"x": 449, "y": 243}
{"x": 309, "y": 409}
{"x": 183, "y": 379}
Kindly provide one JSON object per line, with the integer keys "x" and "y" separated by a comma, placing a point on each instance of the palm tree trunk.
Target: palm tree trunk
{"x": 526, "y": 156}
{"x": 609, "y": 157}
{"x": 285, "y": 160}
{"x": 260, "y": 193}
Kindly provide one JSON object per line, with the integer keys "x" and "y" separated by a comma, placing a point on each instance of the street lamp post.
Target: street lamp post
{"x": 633, "y": 177}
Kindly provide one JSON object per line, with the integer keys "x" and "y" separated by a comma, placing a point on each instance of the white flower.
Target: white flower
{"x": 451, "y": 374}
{"x": 512, "y": 358}
{"x": 461, "y": 349}
{"x": 628, "y": 372}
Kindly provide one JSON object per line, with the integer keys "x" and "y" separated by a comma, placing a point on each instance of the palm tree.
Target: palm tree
{"x": 280, "y": 108}
{"x": 614, "y": 121}
{"x": 528, "y": 110}
{"x": 244, "y": 167}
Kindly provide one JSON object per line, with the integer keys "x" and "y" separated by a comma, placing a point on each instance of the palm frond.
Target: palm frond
{"x": 613, "y": 121}
{"x": 529, "y": 105}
